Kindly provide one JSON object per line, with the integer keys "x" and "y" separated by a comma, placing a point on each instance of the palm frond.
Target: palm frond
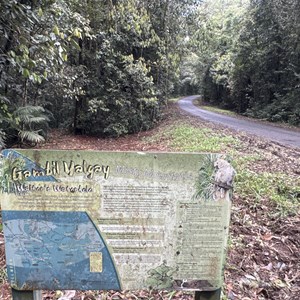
{"x": 24, "y": 119}
{"x": 205, "y": 183}
{"x": 31, "y": 136}
{"x": 30, "y": 122}
{"x": 4, "y": 99}
{"x": 29, "y": 110}
{"x": 38, "y": 120}
{"x": 2, "y": 139}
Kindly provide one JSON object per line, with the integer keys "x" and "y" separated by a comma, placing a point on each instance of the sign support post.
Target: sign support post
{"x": 26, "y": 295}
{"x": 37, "y": 295}
{"x": 208, "y": 295}
{"x": 22, "y": 295}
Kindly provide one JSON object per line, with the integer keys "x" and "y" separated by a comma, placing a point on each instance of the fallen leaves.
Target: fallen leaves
{"x": 68, "y": 295}
{"x": 116, "y": 295}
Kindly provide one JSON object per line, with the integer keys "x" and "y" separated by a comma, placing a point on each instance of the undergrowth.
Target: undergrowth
{"x": 3, "y": 276}
{"x": 280, "y": 188}
{"x": 186, "y": 138}
{"x": 218, "y": 110}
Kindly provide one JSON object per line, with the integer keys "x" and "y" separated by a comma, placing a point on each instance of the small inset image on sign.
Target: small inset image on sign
{"x": 96, "y": 262}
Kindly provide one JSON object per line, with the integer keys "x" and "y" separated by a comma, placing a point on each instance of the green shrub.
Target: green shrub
{"x": 128, "y": 101}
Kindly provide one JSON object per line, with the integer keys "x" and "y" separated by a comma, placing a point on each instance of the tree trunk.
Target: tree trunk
{"x": 25, "y": 92}
{"x": 78, "y": 102}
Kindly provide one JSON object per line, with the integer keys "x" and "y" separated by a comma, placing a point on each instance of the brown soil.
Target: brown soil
{"x": 263, "y": 257}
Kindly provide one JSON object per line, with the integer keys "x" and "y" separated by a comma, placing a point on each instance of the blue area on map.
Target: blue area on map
{"x": 51, "y": 250}
{"x": 29, "y": 165}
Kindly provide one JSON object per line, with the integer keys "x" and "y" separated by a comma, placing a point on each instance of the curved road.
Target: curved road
{"x": 277, "y": 134}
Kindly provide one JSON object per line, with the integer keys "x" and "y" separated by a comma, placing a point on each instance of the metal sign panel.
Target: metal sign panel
{"x": 114, "y": 220}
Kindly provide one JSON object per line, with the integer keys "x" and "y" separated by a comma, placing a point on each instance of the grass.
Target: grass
{"x": 277, "y": 187}
{"x": 176, "y": 99}
{"x": 215, "y": 109}
{"x": 205, "y": 184}
{"x": 187, "y": 138}
{"x": 218, "y": 110}
{"x": 191, "y": 139}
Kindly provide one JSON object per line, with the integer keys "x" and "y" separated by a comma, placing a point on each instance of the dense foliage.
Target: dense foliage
{"x": 246, "y": 57}
{"x": 98, "y": 67}
{"x": 106, "y": 67}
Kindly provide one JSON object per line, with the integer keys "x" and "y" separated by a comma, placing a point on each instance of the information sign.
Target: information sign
{"x": 114, "y": 220}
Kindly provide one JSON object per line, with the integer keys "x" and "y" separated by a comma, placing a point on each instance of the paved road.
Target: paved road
{"x": 280, "y": 135}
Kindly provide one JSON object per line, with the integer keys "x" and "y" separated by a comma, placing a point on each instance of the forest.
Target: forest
{"x": 108, "y": 67}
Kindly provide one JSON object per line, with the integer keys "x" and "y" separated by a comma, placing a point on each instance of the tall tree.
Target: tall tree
{"x": 213, "y": 40}
{"x": 36, "y": 37}
{"x": 108, "y": 63}
{"x": 248, "y": 57}
{"x": 268, "y": 62}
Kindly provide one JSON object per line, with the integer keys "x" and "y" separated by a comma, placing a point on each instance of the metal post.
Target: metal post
{"x": 26, "y": 295}
{"x": 37, "y": 295}
{"x": 208, "y": 295}
{"x": 22, "y": 295}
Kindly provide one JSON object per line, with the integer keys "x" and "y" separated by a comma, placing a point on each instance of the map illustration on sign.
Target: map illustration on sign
{"x": 115, "y": 220}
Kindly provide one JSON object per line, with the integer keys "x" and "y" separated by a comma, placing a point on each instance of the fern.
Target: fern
{"x": 31, "y": 123}
{"x": 2, "y": 139}
{"x": 31, "y": 136}
{"x": 31, "y": 114}
{"x": 205, "y": 183}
